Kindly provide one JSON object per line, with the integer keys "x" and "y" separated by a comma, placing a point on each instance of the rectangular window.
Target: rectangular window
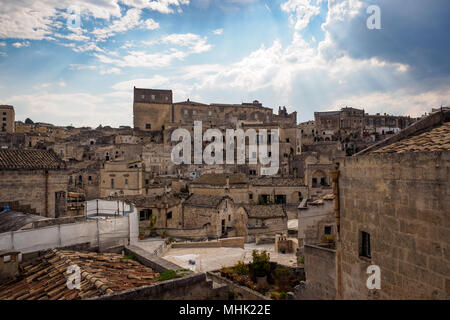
{"x": 250, "y": 196}
{"x": 145, "y": 214}
{"x": 112, "y": 183}
{"x": 364, "y": 250}
{"x": 169, "y": 215}
{"x": 153, "y": 97}
{"x": 280, "y": 199}
{"x": 148, "y": 126}
{"x": 126, "y": 181}
{"x": 327, "y": 230}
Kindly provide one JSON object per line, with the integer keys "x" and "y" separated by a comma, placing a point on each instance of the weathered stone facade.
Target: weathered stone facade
{"x": 154, "y": 110}
{"x": 404, "y": 206}
{"x": 37, "y": 188}
{"x": 7, "y": 119}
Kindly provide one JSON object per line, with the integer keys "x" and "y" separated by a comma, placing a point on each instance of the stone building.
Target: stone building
{"x": 263, "y": 190}
{"x": 34, "y": 178}
{"x": 121, "y": 178}
{"x": 391, "y": 211}
{"x": 154, "y": 110}
{"x": 216, "y": 214}
{"x": 157, "y": 159}
{"x": 165, "y": 209}
{"x": 332, "y": 125}
{"x": 261, "y": 221}
{"x": 8, "y": 118}
{"x": 398, "y": 219}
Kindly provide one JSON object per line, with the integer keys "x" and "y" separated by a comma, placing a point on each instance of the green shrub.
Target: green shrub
{"x": 130, "y": 256}
{"x": 301, "y": 260}
{"x": 260, "y": 266}
{"x": 171, "y": 274}
{"x": 241, "y": 268}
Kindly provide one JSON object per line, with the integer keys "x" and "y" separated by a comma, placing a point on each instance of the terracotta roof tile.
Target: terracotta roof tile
{"x": 220, "y": 179}
{"x": 265, "y": 211}
{"x": 28, "y": 159}
{"x": 46, "y": 278}
{"x": 204, "y": 200}
{"x": 436, "y": 139}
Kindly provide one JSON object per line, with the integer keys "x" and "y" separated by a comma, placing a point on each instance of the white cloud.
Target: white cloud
{"x": 90, "y": 46}
{"x": 301, "y": 12}
{"x": 110, "y": 71}
{"x": 2, "y": 44}
{"x": 102, "y": 69}
{"x": 131, "y": 20}
{"x": 90, "y": 109}
{"x": 21, "y": 44}
{"x": 75, "y": 35}
{"x": 218, "y": 32}
{"x": 36, "y": 20}
{"x": 194, "y": 43}
{"x": 162, "y": 6}
{"x": 154, "y": 82}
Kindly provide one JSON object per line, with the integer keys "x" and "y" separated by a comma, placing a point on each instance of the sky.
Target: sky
{"x": 75, "y": 62}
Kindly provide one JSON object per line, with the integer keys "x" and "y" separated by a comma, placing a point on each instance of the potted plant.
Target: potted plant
{"x": 164, "y": 234}
{"x": 141, "y": 233}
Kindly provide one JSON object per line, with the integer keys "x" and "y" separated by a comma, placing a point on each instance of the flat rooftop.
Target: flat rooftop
{"x": 210, "y": 259}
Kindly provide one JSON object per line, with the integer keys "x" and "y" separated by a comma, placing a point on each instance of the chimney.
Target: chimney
{"x": 9, "y": 264}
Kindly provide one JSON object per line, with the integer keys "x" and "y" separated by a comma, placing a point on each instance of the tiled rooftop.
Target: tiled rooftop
{"x": 152, "y": 201}
{"x": 277, "y": 182}
{"x": 46, "y": 278}
{"x": 204, "y": 200}
{"x": 265, "y": 211}
{"x": 221, "y": 179}
{"x": 28, "y": 159}
{"x": 436, "y": 139}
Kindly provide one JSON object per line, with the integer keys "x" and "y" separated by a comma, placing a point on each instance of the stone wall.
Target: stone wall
{"x": 240, "y": 292}
{"x": 151, "y": 260}
{"x": 28, "y": 187}
{"x": 320, "y": 272}
{"x": 402, "y": 201}
{"x": 193, "y": 287}
{"x": 235, "y": 242}
{"x": 154, "y": 114}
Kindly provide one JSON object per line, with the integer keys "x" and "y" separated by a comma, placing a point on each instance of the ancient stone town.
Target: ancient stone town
{"x": 354, "y": 192}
